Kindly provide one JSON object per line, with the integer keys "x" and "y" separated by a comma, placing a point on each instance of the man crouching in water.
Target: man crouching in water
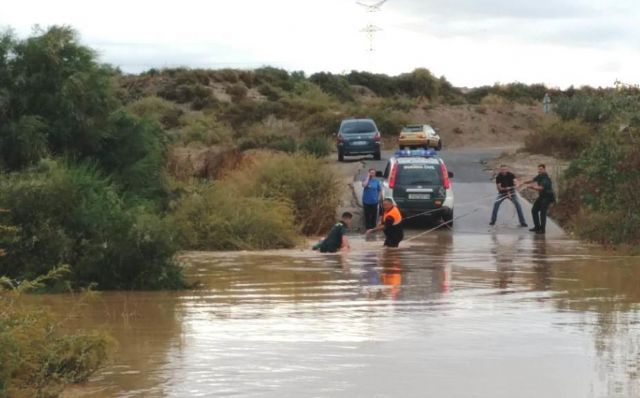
{"x": 336, "y": 240}
{"x": 390, "y": 223}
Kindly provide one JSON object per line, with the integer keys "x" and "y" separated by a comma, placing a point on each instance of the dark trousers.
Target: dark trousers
{"x": 539, "y": 213}
{"x": 370, "y": 215}
{"x": 393, "y": 236}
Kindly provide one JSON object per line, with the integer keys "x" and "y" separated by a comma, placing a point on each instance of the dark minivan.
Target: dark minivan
{"x": 358, "y": 137}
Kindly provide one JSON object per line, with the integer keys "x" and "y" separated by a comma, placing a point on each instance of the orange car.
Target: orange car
{"x": 419, "y": 136}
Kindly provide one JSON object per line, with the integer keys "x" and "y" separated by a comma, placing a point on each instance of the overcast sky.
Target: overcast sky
{"x": 471, "y": 42}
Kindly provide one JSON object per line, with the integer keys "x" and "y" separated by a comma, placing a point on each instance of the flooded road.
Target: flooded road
{"x": 468, "y": 312}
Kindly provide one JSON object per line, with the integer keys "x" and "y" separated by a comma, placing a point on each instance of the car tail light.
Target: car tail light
{"x": 445, "y": 176}
{"x": 377, "y": 137}
{"x": 392, "y": 176}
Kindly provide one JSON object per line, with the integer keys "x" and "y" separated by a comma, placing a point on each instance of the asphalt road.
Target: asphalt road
{"x": 474, "y": 193}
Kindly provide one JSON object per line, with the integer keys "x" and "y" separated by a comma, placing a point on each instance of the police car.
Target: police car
{"x": 419, "y": 182}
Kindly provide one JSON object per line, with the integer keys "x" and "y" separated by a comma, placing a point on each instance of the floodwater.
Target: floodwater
{"x": 448, "y": 315}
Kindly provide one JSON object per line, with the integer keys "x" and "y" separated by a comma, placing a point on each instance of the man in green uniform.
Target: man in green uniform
{"x": 336, "y": 239}
{"x": 542, "y": 184}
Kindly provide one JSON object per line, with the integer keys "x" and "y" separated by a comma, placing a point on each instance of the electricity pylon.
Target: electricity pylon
{"x": 370, "y": 30}
{"x": 372, "y": 7}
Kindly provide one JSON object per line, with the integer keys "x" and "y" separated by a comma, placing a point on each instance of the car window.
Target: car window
{"x": 386, "y": 171}
{"x": 358, "y": 127}
{"x": 412, "y": 129}
{"x": 419, "y": 174}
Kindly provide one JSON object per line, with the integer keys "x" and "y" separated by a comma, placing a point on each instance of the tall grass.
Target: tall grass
{"x": 264, "y": 204}
{"x": 304, "y": 181}
{"x": 563, "y": 139}
{"x": 216, "y": 218}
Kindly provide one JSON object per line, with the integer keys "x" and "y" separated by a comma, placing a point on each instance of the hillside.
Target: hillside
{"x": 211, "y": 113}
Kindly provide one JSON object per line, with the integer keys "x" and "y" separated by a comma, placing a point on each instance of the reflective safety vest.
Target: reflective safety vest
{"x": 393, "y": 213}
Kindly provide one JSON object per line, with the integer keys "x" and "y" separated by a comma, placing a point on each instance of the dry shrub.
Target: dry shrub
{"x": 494, "y": 100}
{"x": 238, "y": 92}
{"x": 205, "y": 129}
{"x": 157, "y": 109}
{"x": 609, "y": 228}
{"x": 216, "y": 218}
{"x": 562, "y": 139}
{"x": 190, "y": 162}
{"x": 306, "y": 182}
{"x": 37, "y": 358}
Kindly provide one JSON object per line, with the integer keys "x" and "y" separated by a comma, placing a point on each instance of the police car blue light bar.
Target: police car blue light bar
{"x": 416, "y": 153}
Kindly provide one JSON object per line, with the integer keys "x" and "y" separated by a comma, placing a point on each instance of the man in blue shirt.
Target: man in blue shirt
{"x": 371, "y": 199}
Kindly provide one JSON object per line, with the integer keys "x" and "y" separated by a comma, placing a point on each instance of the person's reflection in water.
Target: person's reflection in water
{"x": 505, "y": 253}
{"x": 542, "y": 266}
{"x": 439, "y": 262}
{"x": 371, "y": 276}
{"x": 391, "y": 276}
{"x": 342, "y": 262}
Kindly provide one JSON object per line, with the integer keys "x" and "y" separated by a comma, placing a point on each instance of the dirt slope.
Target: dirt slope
{"x": 481, "y": 126}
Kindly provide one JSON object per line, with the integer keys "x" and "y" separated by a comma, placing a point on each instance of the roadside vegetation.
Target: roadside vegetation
{"x": 599, "y": 132}
{"x": 38, "y": 359}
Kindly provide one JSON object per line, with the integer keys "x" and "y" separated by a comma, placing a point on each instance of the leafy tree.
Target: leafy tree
{"x": 51, "y": 78}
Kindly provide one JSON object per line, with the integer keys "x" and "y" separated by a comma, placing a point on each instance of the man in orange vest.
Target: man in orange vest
{"x": 390, "y": 223}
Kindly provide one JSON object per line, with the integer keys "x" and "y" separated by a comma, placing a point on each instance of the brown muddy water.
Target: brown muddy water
{"x": 450, "y": 315}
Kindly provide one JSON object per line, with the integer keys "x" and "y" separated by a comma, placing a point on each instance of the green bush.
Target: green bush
{"x": 216, "y": 218}
{"x": 588, "y": 109}
{"x": 37, "y": 358}
{"x": 600, "y": 193}
{"x": 322, "y": 123}
{"x": 335, "y": 85}
{"x": 419, "y": 83}
{"x": 73, "y": 215}
{"x": 134, "y": 154}
{"x": 304, "y": 181}
{"x": 23, "y": 142}
{"x": 389, "y": 122}
{"x": 512, "y": 92}
{"x": 317, "y": 146}
{"x": 272, "y": 93}
{"x": 562, "y": 139}
{"x": 381, "y": 84}
{"x": 279, "y": 78}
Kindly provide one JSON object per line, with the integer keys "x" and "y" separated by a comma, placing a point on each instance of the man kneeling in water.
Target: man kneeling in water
{"x": 336, "y": 239}
{"x": 390, "y": 223}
